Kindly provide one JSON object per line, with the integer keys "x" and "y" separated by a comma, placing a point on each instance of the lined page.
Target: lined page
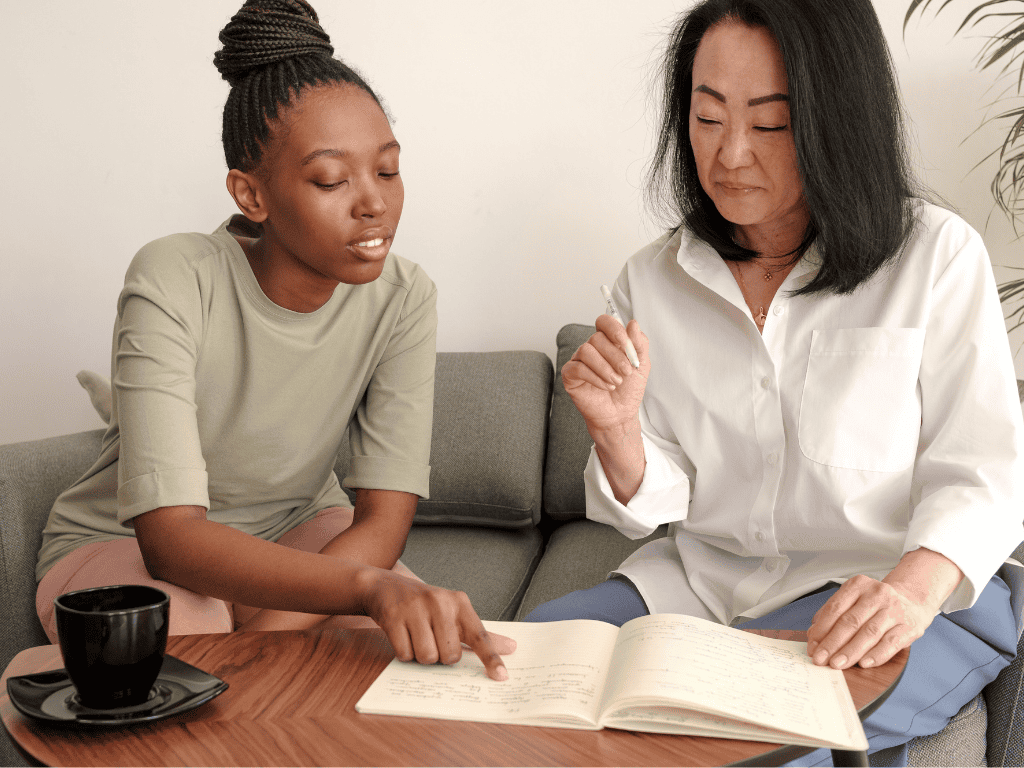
{"x": 735, "y": 674}
{"x": 556, "y": 676}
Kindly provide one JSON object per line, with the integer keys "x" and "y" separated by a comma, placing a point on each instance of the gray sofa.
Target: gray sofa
{"x": 505, "y": 523}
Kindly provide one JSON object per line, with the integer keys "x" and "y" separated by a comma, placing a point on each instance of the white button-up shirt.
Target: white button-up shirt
{"x": 855, "y": 429}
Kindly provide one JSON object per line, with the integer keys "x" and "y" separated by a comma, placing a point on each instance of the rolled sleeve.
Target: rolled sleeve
{"x": 170, "y": 487}
{"x": 159, "y": 317}
{"x": 663, "y": 495}
{"x": 968, "y": 475}
{"x": 390, "y": 435}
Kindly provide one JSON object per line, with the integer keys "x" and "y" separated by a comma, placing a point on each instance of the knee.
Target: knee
{"x": 193, "y": 614}
{"x": 553, "y": 610}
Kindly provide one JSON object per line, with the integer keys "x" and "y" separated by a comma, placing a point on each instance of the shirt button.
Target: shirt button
{"x": 766, "y": 382}
{"x": 759, "y": 536}
{"x": 772, "y": 459}
{"x": 769, "y": 567}
{"x": 778, "y": 310}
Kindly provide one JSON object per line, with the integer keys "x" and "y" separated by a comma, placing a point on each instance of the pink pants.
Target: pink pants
{"x": 120, "y": 562}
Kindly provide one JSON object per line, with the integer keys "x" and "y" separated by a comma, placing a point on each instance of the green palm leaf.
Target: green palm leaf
{"x": 1005, "y": 49}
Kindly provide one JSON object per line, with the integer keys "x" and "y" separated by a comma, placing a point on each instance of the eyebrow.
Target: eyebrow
{"x": 752, "y": 103}
{"x": 342, "y": 153}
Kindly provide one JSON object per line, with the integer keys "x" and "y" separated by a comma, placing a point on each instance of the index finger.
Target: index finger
{"x": 479, "y": 641}
{"x": 613, "y": 329}
{"x": 837, "y": 605}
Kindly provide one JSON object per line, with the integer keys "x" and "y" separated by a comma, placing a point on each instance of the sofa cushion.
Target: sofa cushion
{"x": 579, "y": 554}
{"x": 487, "y": 445}
{"x": 569, "y": 442}
{"x": 492, "y": 566}
{"x": 32, "y": 475}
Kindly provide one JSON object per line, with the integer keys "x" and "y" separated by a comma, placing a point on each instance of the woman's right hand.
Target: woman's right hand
{"x": 430, "y": 624}
{"x": 606, "y": 389}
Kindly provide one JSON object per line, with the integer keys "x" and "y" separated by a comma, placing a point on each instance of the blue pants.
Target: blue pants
{"x": 957, "y": 656}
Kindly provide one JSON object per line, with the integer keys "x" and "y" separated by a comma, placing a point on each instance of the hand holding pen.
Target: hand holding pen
{"x": 607, "y": 375}
{"x": 606, "y": 378}
{"x": 627, "y": 345}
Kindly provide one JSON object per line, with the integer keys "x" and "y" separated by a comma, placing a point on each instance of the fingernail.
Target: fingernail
{"x": 839, "y": 662}
{"x": 821, "y": 657}
{"x": 811, "y": 645}
{"x": 502, "y": 673}
{"x": 867, "y": 663}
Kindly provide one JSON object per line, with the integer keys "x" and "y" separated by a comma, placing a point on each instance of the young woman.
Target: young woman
{"x": 240, "y": 359}
{"x": 826, "y": 393}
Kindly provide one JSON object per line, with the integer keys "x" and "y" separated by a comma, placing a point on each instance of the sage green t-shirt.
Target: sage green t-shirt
{"x": 224, "y": 400}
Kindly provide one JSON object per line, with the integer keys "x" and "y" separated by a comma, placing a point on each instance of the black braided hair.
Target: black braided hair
{"x": 272, "y": 50}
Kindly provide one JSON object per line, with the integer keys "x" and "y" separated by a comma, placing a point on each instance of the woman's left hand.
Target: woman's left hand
{"x": 868, "y": 621}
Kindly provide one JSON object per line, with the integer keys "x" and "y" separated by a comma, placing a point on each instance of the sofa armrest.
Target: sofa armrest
{"x": 32, "y": 475}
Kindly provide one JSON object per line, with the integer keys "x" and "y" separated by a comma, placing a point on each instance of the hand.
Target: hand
{"x": 431, "y": 624}
{"x": 605, "y": 388}
{"x": 867, "y": 622}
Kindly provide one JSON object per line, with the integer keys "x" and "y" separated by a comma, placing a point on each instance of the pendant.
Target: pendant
{"x": 761, "y": 316}
{"x": 767, "y": 276}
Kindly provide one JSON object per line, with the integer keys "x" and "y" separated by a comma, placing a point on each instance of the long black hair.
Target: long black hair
{"x": 848, "y": 127}
{"x": 272, "y": 50}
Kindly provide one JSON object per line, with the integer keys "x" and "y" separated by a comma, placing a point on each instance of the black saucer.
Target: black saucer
{"x": 50, "y": 696}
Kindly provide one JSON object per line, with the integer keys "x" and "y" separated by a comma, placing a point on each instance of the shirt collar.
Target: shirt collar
{"x": 705, "y": 265}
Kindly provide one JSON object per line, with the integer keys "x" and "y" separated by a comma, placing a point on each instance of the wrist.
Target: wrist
{"x": 365, "y": 585}
{"x": 613, "y": 437}
{"x": 925, "y": 576}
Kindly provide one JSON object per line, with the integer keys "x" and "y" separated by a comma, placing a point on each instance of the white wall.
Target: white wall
{"x": 525, "y": 128}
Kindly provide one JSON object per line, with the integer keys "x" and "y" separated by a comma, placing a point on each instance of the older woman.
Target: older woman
{"x": 825, "y": 393}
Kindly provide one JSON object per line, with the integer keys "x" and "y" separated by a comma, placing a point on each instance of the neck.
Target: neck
{"x": 778, "y": 239}
{"x": 284, "y": 282}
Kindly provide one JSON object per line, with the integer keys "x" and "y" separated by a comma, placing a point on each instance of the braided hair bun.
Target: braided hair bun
{"x": 268, "y": 31}
{"x": 272, "y": 50}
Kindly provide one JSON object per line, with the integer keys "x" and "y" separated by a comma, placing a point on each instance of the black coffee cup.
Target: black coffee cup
{"x": 113, "y": 641}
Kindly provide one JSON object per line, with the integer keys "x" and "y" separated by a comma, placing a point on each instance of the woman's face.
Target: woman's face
{"x": 741, "y": 134}
{"x": 332, "y": 188}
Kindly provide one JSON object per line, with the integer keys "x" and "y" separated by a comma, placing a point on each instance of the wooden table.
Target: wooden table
{"x": 291, "y": 701}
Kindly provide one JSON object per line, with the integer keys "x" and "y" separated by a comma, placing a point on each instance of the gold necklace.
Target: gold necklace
{"x": 760, "y": 317}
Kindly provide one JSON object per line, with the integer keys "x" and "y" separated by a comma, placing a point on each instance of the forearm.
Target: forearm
{"x": 925, "y": 576}
{"x": 381, "y": 522}
{"x": 184, "y": 548}
{"x": 621, "y": 452}
{"x": 380, "y": 526}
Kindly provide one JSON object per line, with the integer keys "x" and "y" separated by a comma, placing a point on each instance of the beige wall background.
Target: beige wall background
{"x": 525, "y": 126}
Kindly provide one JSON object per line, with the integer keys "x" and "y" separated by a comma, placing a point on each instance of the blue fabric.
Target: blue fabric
{"x": 614, "y": 601}
{"x": 958, "y": 655}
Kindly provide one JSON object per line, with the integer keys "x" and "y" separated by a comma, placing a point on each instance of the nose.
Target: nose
{"x": 735, "y": 151}
{"x": 370, "y": 203}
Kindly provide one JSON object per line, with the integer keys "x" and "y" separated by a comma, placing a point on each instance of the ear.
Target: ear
{"x": 247, "y": 192}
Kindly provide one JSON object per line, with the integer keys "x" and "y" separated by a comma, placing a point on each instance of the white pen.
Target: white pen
{"x": 630, "y": 350}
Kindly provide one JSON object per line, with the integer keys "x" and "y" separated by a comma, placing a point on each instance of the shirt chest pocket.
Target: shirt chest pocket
{"x": 860, "y": 407}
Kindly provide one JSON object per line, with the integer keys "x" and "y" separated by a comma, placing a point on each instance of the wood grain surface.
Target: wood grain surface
{"x": 291, "y": 701}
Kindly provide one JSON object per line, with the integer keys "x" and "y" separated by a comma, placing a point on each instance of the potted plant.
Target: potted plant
{"x": 1004, "y": 51}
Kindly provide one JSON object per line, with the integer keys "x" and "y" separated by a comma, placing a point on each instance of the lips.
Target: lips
{"x": 372, "y": 244}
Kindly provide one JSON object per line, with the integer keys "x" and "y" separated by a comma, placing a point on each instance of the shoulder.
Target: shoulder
{"x": 175, "y": 257}
{"x": 666, "y": 246}
{"x": 407, "y": 281}
{"x": 174, "y": 271}
{"x": 937, "y": 227}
